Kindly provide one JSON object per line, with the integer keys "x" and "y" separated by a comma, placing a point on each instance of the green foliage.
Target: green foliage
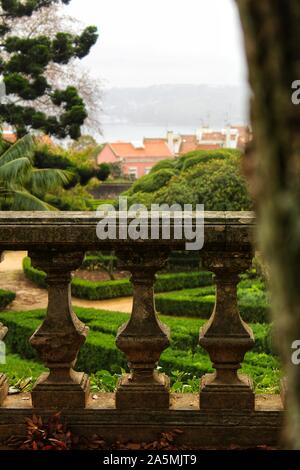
{"x": 101, "y": 290}
{"x": 103, "y": 172}
{"x": 151, "y": 182}
{"x": 6, "y": 297}
{"x": 163, "y": 165}
{"x": 123, "y": 288}
{"x": 212, "y": 178}
{"x": 252, "y": 298}
{"x": 24, "y": 61}
{"x": 116, "y": 170}
{"x": 92, "y": 290}
{"x": 67, "y": 201}
{"x": 35, "y": 275}
{"x": 80, "y": 166}
{"x": 82, "y": 176}
{"x": 99, "y": 353}
{"x": 104, "y": 381}
{"x": 180, "y": 261}
{"x": 22, "y": 373}
{"x": 94, "y": 262}
{"x": 22, "y": 185}
{"x": 204, "y": 156}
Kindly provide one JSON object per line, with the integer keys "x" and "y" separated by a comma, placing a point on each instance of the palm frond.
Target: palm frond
{"x": 24, "y": 201}
{"x": 22, "y": 148}
{"x": 15, "y": 171}
{"x": 44, "y": 180}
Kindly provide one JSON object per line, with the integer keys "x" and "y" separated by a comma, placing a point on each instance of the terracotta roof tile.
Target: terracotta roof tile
{"x": 151, "y": 148}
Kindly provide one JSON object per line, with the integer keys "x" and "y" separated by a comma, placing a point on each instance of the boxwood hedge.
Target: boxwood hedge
{"x": 6, "y": 297}
{"x": 200, "y": 302}
{"x": 101, "y": 339}
{"x": 92, "y": 290}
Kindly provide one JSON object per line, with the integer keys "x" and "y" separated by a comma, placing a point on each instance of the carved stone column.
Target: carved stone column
{"x": 3, "y": 379}
{"x": 143, "y": 338}
{"x": 226, "y": 337}
{"x": 59, "y": 338}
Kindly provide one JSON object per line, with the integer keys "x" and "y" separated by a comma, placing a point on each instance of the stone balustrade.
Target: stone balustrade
{"x": 228, "y": 408}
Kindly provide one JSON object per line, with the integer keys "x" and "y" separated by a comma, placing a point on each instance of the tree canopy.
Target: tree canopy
{"x": 23, "y": 64}
{"x": 212, "y": 178}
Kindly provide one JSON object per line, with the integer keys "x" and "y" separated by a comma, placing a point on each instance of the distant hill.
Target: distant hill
{"x": 166, "y": 105}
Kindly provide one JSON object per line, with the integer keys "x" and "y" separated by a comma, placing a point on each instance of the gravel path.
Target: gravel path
{"x": 30, "y": 297}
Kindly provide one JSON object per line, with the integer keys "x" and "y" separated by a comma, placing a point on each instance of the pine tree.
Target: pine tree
{"x": 23, "y": 63}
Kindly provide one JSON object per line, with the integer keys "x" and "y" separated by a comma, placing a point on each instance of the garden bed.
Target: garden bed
{"x": 92, "y": 290}
{"x": 184, "y": 356}
{"x": 252, "y": 299}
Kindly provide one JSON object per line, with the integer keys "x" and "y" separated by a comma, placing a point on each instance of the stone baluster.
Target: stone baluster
{"x": 59, "y": 338}
{"x": 143, "y": 338}
{"x": 226, "y": 337}
{"x": 3, "y": 379}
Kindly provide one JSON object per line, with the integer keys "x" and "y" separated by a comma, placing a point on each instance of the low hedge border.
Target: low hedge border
{"x": 103, "y": 324}
{"x": 93, "y": 261}
{"x": 200, "y": 303}
{"x": 100, "y": 351}
{"x": 6, "y": 297}
{"x": 120, "y": 288}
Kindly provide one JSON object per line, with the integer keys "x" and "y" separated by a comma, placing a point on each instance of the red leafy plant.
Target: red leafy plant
{"x": 51, "y": 434}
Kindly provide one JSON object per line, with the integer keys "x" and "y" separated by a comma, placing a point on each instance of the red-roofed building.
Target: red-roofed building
{"x": 136, "y": 158}
{"x": 234, "y": 137}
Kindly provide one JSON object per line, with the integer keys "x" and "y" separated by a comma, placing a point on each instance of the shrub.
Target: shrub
{"x": 163, "y": 165}
{"x": 45, "y": 158}
{"x": 100, "y": 352}
{"x": 6, "y": 297}
{"x": 81, "y": 170}
{"x": 91, "y": 290}
{"x": 183, "y": 261}
{"x": 212, "y": 178}
{"x": 68, "y": 202}
{"x": 202, "y": 157}
{"x": 95, "y": 261}
{"x": 103, "y": 171}
{"x": 35, "y": 275}
{"x": 151, "y": 182}
{"x": 252, "y": 301}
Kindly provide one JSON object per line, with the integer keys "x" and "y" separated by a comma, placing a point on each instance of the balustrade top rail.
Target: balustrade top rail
{"x": 25, "y": 230}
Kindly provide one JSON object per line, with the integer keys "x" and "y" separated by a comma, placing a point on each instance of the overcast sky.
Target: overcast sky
{"x": 145, "y": 42}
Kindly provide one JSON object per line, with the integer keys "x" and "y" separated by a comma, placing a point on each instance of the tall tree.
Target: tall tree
{"x": 47, "y": 21}
{"x": 24, "y": 62}
{"x": 272, "y": 39}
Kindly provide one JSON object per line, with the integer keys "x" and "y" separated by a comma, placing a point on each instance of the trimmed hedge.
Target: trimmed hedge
{"x": 93, "y": 261}
{"x": 91, "y": 290}
{"x": 6, "y": 297}
{"x": 100, "y": 351}
{"x": 103, "y": 327}
{"x": 183, "y": 261}
{"x": 200, "y": 303}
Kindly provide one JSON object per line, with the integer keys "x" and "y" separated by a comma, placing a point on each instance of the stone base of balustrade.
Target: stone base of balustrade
{"x": 215, "y": 429}
{"x": 71, "y": 395}
{"x": 215, "y": 396}
{"x": 154, "y": 396}
{"x": 3, "y": 387}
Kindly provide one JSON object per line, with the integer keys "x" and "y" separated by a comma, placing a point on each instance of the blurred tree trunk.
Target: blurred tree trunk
{"x": 272, "y": 41}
